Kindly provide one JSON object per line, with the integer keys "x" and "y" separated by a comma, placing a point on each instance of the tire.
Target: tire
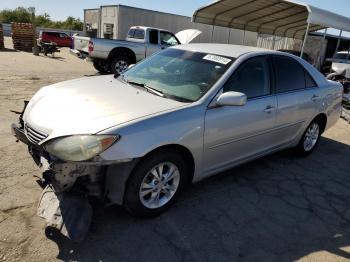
{"x": 120, "y": 63}
{"x": 100, "y": 66}
{"x": 143, "y": 196}
{"x": 310, "y": 139}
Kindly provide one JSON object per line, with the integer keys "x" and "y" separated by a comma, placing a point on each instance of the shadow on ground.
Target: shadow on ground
{"x": 279, "y": 208}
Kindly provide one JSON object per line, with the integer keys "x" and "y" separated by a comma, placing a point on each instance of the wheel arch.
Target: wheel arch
{"x": 122, "y": 50}
{"x": 181, "y": 150}
{"x": 322, "y": 119}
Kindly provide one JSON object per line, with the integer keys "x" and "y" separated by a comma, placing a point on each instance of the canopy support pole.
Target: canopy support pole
{"x": 338, "y": 43}
{"x": 273, "y": 42}
{"x": 212, "y": 34}
{"x": 320, "y": 57}
{"x": 243, "y": 36}
{"x": 229, "y": 35}
{"x": 305, "y": 38}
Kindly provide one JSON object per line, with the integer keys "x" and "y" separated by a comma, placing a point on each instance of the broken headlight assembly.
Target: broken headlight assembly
{"x": 80, "y": 147}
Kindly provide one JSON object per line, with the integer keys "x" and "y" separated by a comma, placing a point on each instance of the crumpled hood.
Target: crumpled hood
{"x": 90, "y": 105}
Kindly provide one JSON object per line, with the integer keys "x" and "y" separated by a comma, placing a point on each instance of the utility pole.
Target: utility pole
{"x": 35, "y": 47}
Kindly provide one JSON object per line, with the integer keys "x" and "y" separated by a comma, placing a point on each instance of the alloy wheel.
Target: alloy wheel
{"x": 311, "y": 137}
{"x": 159, "y": 185}
{"x": 121, "y": 66}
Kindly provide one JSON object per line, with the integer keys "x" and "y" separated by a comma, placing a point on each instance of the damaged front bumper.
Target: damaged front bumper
{"x": 64, "y": 201}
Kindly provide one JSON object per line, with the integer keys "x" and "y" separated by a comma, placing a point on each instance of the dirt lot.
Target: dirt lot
{"x": 279, "y": 208}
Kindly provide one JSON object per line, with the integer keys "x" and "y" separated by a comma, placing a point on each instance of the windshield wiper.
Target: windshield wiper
{"x": 158, "y": 92}
{"x": 148, "y": 88}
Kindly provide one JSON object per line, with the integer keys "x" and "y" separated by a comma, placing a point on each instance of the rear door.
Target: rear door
{"x": 153, "y": 43}
{"x": 236, "y": 133}
{"x": 296, "y": 97}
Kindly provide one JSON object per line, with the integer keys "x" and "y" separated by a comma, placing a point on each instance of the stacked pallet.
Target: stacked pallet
{"x": 22, "y": 36}
{"x": 1, "y": 37}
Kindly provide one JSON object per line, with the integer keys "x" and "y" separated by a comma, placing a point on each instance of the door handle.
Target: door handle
{"x": 269, "y": 109}
{"x": 314, "y": 98}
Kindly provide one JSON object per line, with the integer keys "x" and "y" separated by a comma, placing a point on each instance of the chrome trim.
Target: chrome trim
{"x": 33, "y": 135}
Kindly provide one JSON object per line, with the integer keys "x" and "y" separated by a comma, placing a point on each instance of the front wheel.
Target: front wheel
{"x": 155, "y": 184}
{"x": 310, "y": 139}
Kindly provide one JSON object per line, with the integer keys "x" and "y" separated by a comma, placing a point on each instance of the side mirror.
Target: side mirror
{"x": 231, "y": 99}
{"x": 131, "y": 66}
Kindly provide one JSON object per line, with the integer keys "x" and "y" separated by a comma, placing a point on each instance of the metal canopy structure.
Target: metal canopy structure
{"x": 275, "y": 17}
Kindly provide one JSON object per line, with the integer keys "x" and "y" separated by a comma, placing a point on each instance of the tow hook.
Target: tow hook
{"x": 69, "y": 212}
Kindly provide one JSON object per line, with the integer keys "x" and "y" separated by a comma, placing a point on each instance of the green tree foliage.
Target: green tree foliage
{"x": 23, "y": 15}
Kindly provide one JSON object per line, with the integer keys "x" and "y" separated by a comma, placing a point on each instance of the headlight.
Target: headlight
{"x": 80, "y": 148}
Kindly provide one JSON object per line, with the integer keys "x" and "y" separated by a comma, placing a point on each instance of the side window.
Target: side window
{"x": 252, "y": 78}
{"x": 289, "y": 74}
{"x": 153, "y": 37}
{"x": 167, "y": 38}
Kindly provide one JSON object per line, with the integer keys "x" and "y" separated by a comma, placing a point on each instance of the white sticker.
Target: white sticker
{"x": 217, "y": 59}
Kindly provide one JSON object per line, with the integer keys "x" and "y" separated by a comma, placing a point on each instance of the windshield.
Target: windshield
{"x": 178, "y": 74}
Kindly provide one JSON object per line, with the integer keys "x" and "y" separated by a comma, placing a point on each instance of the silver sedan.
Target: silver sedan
{"x": 177, "y": 117}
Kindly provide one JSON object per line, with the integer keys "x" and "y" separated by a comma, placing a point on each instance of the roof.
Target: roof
{"x": 147, "y": 27}
{"x": 221, "y": 49}
{"x": 276, "y": 17}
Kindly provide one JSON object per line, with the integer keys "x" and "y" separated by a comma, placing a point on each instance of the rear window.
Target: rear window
{"x": 136, "y": 33}
{"x": 289, "y": 74}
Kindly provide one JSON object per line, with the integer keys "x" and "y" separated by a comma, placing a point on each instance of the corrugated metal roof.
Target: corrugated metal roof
{"x": 275, "y": 17}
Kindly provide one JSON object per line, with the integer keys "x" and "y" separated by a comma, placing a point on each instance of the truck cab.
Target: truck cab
{"x": 115, "y": 56}
{"x": 155, "y": 38}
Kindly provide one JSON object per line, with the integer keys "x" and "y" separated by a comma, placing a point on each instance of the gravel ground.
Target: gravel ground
{"x": 279, "y": 208}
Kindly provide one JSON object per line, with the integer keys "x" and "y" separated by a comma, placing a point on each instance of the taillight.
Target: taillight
{"x": 91, "y": 46}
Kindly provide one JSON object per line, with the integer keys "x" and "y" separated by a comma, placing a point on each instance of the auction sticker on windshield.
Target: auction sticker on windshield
{"x": 217, "y": 59}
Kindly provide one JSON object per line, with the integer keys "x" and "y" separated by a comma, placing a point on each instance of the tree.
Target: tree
{"x": 19, "y": 15}
{"x": 43, "y": 20}
{"x": 23, "y": 15}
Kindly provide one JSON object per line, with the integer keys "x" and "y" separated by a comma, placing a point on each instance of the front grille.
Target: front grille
{"x": 34, "y": 136}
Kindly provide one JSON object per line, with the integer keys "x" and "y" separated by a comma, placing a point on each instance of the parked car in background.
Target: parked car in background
{"x": 61, "y": 39}
{"x": 306, "y": 56}
{"x": 179, "y": 116}
{"x": 115, "y": 56}
{"x": 340, "y": 69}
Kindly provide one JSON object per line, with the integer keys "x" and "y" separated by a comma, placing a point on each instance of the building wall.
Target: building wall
{"x": 92, "y": 22}
{"x": 109, "y": 16}
{"x": 123, "y": 17}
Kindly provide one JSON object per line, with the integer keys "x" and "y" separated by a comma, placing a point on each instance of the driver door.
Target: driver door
{"x": 236, "y": 133}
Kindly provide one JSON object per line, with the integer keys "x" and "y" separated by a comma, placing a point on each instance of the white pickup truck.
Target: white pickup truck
{"x": 115, "y": 56}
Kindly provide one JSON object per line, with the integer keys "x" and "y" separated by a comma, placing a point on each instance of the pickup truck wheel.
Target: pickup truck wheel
{"x": 310, "y": 139}
{"x": 119, "y": 64}
{"x": 100, "y": 66}
{"x": 155, "y": 184}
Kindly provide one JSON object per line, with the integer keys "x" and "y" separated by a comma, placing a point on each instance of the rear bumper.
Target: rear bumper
{"x": 79, "y": 54}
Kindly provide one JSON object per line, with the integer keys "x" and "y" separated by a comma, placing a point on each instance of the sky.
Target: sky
{"x": 59, "y": 10}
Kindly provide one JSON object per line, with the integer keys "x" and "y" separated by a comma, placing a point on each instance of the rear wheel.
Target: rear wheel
{"x": 155, "y": 184}
{"x": 310, "y": 138}
{"x": 100, "y": 66}
{"x": 119, "y": 64}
